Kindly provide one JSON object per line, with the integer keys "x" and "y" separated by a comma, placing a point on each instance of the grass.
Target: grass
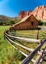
{"x": 44, "y": 62}
{"x": 27, "y": 44}
{"x": 7, "y": 52}
{"x": 30, "y": 34}
{"x": 8, "y": 55}
{"x": 20, "y": 48}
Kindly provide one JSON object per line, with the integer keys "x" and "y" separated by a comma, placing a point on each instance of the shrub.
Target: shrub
{"x": 10, "y": 22}
{"x": 44, "y": 23}
{"x": 40, "y": 22}
{"x": 18, "y": 20}
{"x": 1, "y": 23}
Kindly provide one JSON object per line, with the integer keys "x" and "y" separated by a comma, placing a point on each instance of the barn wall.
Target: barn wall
{"x": 23, "y": 25}
{"x": 27, "y": 24}
{"x": 35, "y": 22}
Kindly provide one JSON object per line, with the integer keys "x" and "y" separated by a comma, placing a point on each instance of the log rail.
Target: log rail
{"x": 32, "y": 54}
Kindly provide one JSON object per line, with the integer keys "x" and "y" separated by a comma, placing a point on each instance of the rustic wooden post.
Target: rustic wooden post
{"x": 40, "y": 43}
{"x": 15, "y": 32}
{"x": 6, "y": 31}
{"x": 37, "y": 34}
{"x": 4, "y": 35}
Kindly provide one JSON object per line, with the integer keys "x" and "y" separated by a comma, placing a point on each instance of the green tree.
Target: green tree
{"x": 18, "y": 20}
{"x": 40, "y": 22}
{"x": 44, "y": 23}
{"x": 10, "y": 22}
{"x": 1, "y": 23}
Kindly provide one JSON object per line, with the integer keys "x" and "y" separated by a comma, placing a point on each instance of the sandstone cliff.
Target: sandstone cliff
{"x": 38, "y": 12}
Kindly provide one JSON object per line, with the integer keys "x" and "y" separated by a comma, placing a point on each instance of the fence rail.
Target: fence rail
{"x": 32, "y": 54}
{"x": 24, "y": 39}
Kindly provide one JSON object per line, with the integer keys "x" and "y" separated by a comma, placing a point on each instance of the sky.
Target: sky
{"x": 12, "y": 8}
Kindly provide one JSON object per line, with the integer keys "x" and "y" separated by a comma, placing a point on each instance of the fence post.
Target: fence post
{"x": 38, "y": 34}
{"x": 4, "y": 35}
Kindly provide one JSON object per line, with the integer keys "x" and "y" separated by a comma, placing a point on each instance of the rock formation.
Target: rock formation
{"x": 22, "y": 14}
{"x": 38, "y": 12}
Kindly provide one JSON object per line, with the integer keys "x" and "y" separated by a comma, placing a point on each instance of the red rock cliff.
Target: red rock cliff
{"x": 22, "y": 14}
{"x": 38, "y": 12}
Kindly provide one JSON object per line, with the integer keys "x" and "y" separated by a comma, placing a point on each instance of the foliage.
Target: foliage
{"x": 10, "y": 22}
{"x": 44, "y": 23}
{"x": 18, "y": 20}
{"x": 18, "y": 55}
{"x": 40, "y": 22}
{"x": 7, "y": 52}
{"x": 1, "y": 23}
{"x": 8, "y": 55}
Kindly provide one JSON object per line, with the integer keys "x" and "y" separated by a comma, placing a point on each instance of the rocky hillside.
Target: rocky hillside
{"x": 5, "y": 18}
{"x": 38, "y": 12}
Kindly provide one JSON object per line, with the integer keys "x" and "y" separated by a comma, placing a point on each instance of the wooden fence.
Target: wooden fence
{"x": 32, "y": 54}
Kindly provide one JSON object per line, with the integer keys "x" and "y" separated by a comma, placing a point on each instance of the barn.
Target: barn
{"x": 29, "y": 22}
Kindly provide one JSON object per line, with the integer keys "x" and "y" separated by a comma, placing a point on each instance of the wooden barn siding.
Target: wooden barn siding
{"x": 35, "y": 21}
{"x": 27, "y": 24}
{"x": 23, "y": 25}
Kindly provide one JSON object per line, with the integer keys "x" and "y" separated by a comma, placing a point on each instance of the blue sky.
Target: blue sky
{"x": 12, "y": 8}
